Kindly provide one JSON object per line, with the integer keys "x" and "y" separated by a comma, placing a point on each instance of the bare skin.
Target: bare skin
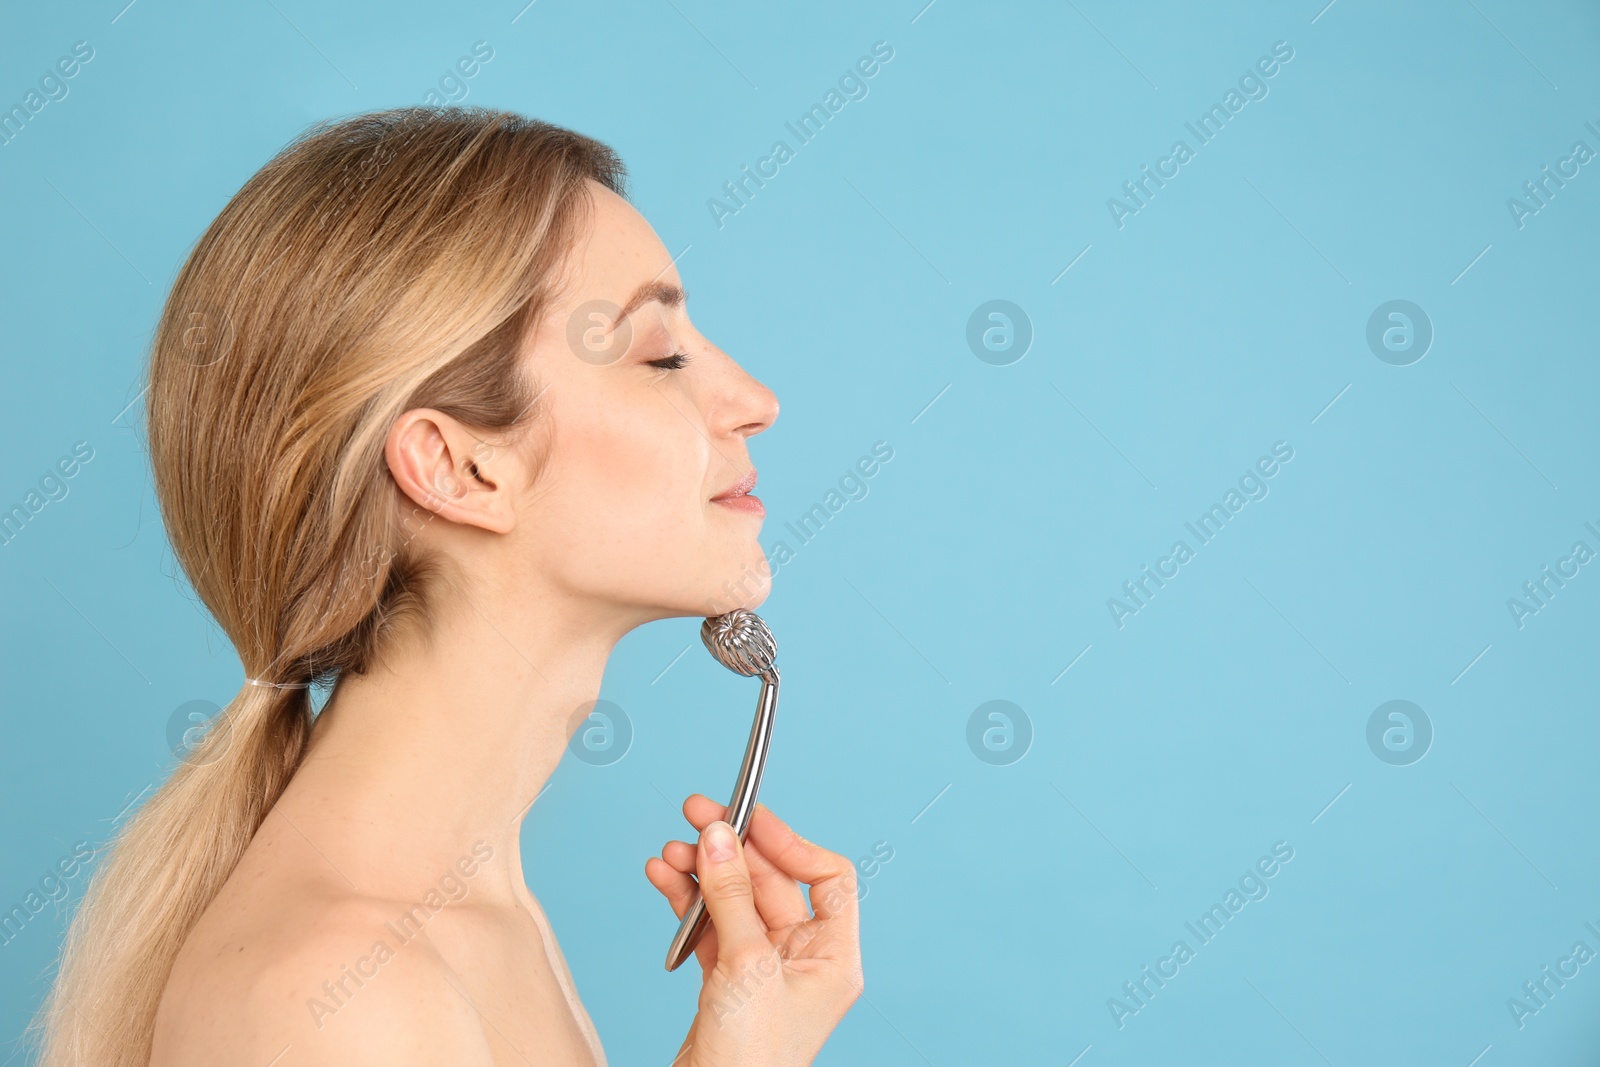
{"x": 381, "y": 914}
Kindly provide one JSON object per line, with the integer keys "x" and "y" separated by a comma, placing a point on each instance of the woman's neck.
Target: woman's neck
{"x": 433, "y": 760}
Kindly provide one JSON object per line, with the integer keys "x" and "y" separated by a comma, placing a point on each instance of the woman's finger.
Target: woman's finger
{"x": 676, "y": 886}
{"x": 776, "y": 913}
{"x": 725, "y": 884}
{"x": 832, "y": 878}
{"x": 778, "y": 896}
{"x": 680, "y": 855}
{"x": 680, "y": 890}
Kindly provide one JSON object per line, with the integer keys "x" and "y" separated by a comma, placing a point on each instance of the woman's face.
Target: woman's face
{"x": 637, "y": 448}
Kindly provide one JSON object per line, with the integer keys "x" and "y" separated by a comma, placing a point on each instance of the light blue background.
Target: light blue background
{"x": 1229, "y": 313}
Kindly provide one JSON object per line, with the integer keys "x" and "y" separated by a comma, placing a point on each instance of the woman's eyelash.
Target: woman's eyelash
{"x": 672, "y": 362}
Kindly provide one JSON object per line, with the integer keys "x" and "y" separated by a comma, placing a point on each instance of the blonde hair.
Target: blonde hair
{"x": 389, "y": 261}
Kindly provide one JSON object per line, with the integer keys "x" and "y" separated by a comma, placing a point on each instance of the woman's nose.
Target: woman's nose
{"x": 750, "y": 406}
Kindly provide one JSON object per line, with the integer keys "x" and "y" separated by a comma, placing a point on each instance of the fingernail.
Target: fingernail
{"x": 719, "y": 842}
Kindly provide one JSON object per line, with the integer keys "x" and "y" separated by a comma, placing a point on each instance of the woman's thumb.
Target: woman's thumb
{"x": 725, "y": 885}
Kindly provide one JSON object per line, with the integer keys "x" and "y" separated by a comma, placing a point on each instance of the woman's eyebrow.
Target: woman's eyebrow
{"x": 669, "y": 295}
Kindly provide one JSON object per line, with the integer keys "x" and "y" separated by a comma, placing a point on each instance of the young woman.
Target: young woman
{"x": 429, "y": 423}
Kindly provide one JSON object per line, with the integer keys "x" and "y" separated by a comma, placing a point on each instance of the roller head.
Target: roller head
{"x": 740, "y": 641}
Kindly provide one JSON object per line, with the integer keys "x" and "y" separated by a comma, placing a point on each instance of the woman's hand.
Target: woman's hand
{"x": 776, "y": 979}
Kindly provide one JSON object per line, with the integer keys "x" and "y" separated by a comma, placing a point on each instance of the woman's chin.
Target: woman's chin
{"x": 747, "y": 589}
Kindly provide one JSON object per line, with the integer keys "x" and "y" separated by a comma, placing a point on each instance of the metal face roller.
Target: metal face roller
{"x": 741, "y": 642}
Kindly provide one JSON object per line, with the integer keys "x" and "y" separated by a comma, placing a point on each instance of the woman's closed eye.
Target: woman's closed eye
{"x": 672, "y": 362}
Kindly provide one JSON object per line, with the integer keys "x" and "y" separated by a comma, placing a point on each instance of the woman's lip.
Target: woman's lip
{"x": 744, "y": 502}
{"x": 742, "y": 486}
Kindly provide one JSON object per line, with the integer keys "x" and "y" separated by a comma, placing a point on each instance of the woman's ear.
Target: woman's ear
{"x": 449, "y": 472}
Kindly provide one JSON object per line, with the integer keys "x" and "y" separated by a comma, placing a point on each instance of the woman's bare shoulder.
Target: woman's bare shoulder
{"x": 313, "y": 977}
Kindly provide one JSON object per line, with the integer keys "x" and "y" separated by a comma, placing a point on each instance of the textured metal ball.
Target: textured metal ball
{"x": 740, "y": 641}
